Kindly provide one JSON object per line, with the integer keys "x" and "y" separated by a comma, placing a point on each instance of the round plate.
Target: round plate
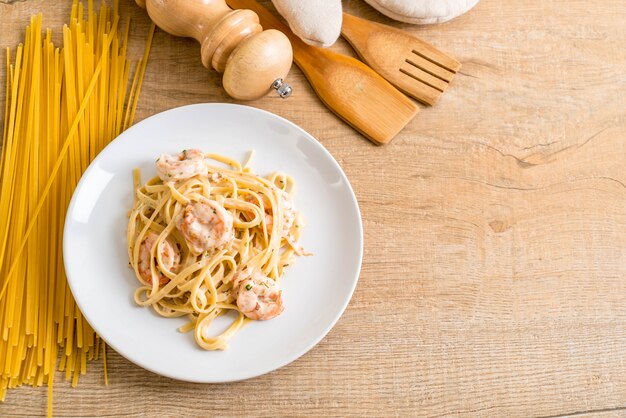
{"x": 316, "y": 289}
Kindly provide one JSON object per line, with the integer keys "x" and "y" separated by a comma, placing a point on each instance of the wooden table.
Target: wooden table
{"x": 494, "y": 277}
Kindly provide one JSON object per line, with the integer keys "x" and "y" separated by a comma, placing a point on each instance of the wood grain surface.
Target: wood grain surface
{"x": 494, "y": 277}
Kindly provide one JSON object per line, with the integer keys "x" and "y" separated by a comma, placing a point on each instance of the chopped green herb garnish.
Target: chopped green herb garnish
{"x": 248, "y": 286}
{"x": 265, "y": 284}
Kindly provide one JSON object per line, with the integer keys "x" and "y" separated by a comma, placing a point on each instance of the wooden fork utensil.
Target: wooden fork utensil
{"x": 412, "y": 65}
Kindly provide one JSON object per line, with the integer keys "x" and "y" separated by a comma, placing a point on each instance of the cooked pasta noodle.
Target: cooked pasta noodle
{"x": 207, "y": 236}
{"x": 62, "y": 107}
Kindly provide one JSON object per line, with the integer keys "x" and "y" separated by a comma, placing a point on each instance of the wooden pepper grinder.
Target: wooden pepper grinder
{"x": 233, "y": 42}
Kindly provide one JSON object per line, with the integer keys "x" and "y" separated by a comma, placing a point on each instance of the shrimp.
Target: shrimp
{"x": 258, "y": 296}
{"x": 170, "y": 256}
{"x": 187, "y": 164}
{"x": 206, "y": 225}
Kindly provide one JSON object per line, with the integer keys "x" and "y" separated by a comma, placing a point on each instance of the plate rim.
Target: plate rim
{"x": 288, "y": 359}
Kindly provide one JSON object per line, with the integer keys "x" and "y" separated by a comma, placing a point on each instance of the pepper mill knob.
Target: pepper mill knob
{"x": 231, "y": 42}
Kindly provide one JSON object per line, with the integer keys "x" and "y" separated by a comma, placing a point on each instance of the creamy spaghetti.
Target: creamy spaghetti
{"x": 208, "y": 236}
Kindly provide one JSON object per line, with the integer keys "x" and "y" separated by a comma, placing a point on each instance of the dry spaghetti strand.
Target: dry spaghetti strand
{"x": 63, "y": 105}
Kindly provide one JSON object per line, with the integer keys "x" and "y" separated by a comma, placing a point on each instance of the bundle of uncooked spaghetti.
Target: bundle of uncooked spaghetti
{"x": 62, "y": 107}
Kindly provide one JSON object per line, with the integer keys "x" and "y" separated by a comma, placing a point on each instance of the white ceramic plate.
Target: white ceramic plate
{"x": 316, "y": 289}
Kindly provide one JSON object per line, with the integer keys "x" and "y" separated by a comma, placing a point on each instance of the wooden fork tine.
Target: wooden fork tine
{"x": 411, "y": 85}
{"x": 432, "y": 54}
{"x": 424, "y": 76}
{"x": 430, "y": 67}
